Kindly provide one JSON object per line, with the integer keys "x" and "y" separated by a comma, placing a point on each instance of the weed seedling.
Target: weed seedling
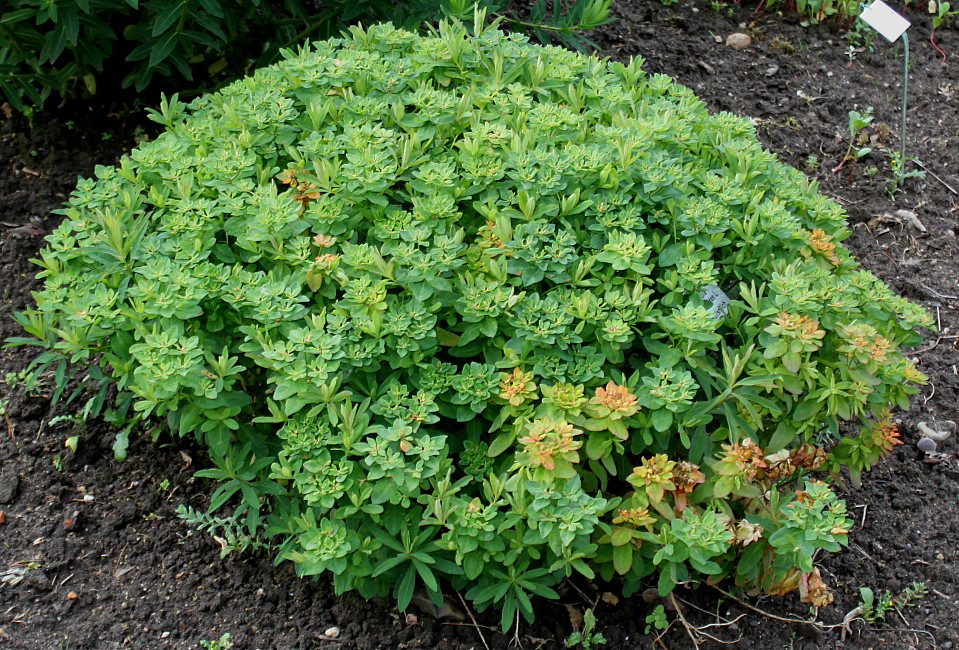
{"x": 857, "y": 139}
{"x": 226, "y": 531}
{"x": 656, "y": 620}
{"x": 940, "y": 11}
{"x": 587, "y": 637}
{"x": 873, "y": 608}
{"x": 897, "y": 169}
{"x": 223, "y": 643}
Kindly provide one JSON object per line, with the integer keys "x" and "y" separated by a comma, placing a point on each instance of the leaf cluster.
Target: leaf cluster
{"x": 447, "y": 309}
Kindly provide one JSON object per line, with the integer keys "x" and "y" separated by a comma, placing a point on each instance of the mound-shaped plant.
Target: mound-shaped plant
{"x": 466, "y": 309}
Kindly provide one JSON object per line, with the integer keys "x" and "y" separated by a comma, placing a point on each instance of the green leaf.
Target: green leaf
{"x": 120, "y": 444}
{"x": 621, "y": 535}
{"x": 404, "y": 589}
{"x": 671, "y": 255}
{"x": 661, "y": 419}
{"x": 388, "y": 564}
{"x": 750, "y": 558}
{"x": 54, "y": 45}
{"x": 212, "y": 7}
{"x": 784, "y": 436}
{"x": 71, "y": 23}
{"x": 665, "y": 584}
{"x": 501, "y": 443}
{"x": 700, "y": 446}
{"x": 426, "y": 575}
{"x": 161, "y": 50}
{"x": 623, "y": 559}
{"x": 170, "y": 14}
{"x": 806, "y": 410}
{"x": 17, "y": 16}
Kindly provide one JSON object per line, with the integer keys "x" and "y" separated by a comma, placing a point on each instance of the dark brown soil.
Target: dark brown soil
{"x": 93, "y": 556}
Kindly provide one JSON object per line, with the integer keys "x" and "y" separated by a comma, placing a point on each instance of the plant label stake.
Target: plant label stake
{"x": 892, "y": 25}
{"x": 720, "y": 301}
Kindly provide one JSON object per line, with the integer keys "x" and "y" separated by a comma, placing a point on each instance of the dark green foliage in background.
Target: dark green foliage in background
{"x": 69, "y": 47}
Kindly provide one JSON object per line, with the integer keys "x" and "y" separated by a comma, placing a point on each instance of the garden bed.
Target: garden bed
{"x": 93, "y": 555}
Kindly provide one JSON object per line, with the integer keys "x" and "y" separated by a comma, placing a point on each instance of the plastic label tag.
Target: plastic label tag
{"x": 720, "y": 301}
{"x": 885, "y": 20}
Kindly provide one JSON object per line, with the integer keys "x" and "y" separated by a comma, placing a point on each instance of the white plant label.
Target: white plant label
{"x": 720, "y": 301}
{"x": 885, "y": 20}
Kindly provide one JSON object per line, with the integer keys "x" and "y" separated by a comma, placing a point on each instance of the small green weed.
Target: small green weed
{"x": 226, "y": 531}
{"x": 721, "y": 7}
{"x": 656, "y": 620}
{"x": 874, "y": 608}
{"x": 940, "y": 11}
{"x": 223, "y": 643}
{"x": 857, "y": 138}
{"x": 898, "y": 171}
{"x": 587, "y": 637}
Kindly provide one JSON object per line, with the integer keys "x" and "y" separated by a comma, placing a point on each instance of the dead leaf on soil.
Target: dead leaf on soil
{"x": 122, "y": 571}
{"x": 910, "y": 218}
{"x": 447, "y": 611}
{"x": 33, "y": 227}
{"x": 575, "y": 617}
{"x": 610, "y": 598}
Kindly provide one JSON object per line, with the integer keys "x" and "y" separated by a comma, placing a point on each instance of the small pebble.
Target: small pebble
{"x": 164, "y": 635}
{"x": 738, "y": 41}
{"x": 936, "y": 431}
{"x": 333, "y": 632}
{"x": 71, "y": 596}
{"x": 88, "y": 497}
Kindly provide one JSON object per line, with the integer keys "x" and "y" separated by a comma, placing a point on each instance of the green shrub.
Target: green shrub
{"x": 55, "y": 46}
{"x": 49, "y": 46}
{"x": 449, "y": 308}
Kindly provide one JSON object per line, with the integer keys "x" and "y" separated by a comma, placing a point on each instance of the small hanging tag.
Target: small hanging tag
{"x": 885, "y": 20}
{"x": 720, "y": 301}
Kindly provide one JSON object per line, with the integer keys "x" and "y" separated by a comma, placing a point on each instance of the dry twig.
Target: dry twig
{"x": 934, "y": 345}
{"x": 682, "y": 619}
{"x": 933, "y": 174}
{"x": 469, "y": 613}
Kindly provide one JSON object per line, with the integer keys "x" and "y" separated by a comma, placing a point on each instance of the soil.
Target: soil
{"x": 93, "y": 556}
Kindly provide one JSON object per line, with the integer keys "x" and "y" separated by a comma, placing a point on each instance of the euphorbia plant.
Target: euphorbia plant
{"x": 443, "y": 310}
